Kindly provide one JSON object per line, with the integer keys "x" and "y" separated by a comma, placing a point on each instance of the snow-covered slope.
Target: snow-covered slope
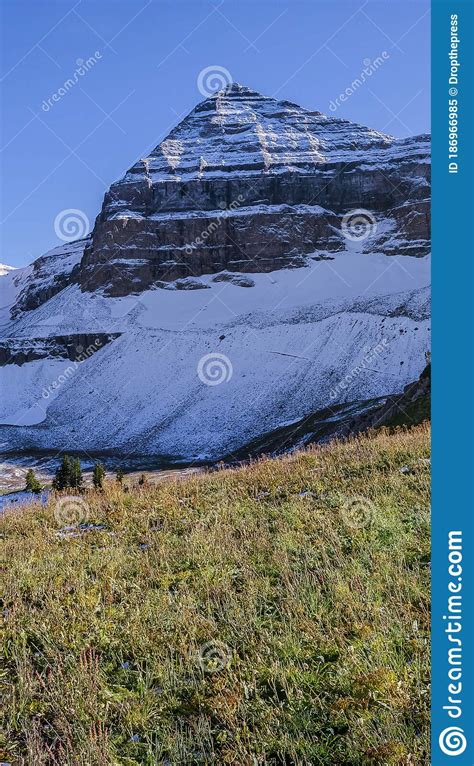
{"x": 4, "y": 269}
{"x": 11, "y": 282}
{"x": 299, "y": 340}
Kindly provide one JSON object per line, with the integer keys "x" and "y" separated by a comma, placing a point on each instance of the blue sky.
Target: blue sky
{"x": 145, "y": 79}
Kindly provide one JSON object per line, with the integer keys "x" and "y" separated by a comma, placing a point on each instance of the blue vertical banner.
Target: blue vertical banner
{"x": 452, "y": 738}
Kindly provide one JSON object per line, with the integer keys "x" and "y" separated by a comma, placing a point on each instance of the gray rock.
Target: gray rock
{"x": 235, "y": 279}
{"x": 243, "y": 282}
{"x": 188, "y": 283}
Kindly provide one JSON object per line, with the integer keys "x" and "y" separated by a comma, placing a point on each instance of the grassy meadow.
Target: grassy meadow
{"x": 276, "y": 613}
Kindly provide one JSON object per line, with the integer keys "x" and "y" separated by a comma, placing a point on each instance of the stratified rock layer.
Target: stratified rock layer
{"x": 247, "y": 183}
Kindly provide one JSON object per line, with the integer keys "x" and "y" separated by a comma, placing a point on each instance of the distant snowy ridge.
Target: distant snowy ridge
{"x": 4, "y": 269}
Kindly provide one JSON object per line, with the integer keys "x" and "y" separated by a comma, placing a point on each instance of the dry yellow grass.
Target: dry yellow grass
{"x": 272, "y": 614}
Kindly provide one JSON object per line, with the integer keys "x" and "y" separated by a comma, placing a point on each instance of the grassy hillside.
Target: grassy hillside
{"x": 271, "y": 614}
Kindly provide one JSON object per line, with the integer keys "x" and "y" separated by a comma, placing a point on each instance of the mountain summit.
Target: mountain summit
{"x": 239, "y": 130}
{"x": 249, "y": 183}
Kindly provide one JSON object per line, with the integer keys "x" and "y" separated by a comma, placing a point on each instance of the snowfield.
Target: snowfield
{"x": 292, "y": 344}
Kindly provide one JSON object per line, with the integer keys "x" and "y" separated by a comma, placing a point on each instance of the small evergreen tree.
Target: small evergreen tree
{"x": 32, "y": 483}
{"x": 120, "y": 475}
{"x": 76, "y": 474}
{"x": 98, "y": 475}
{"x": 62, "y": 478}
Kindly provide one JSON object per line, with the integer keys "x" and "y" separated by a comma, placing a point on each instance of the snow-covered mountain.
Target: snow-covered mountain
{"x": 262, "y": 264}
{"x": 249, "y": 183}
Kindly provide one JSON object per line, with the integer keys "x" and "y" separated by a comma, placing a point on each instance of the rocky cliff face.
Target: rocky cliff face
{"x": 250, "y": 184}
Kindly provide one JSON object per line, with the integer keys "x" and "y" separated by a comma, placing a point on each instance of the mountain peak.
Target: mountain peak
{"x": 239, "y": 130}
{"x": 236, "y": 88}
{"x": 238, "y": 91}
{"x": 235, "y": 92}
{"x": 274, "y": 167}
{"x": 234, "y": 96}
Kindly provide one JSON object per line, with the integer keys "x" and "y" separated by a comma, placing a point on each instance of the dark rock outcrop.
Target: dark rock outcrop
{"x": 411, "y": 407}
{"x": 76, "y": 348}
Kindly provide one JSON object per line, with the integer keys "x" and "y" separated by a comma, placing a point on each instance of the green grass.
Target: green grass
{"x": 319, "y": 628}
